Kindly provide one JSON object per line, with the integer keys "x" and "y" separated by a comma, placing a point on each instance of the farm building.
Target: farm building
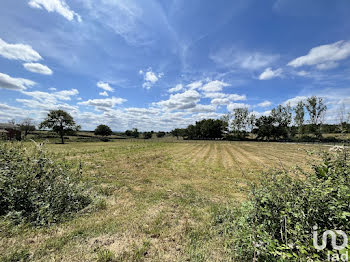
{"x": 10, "y": 131}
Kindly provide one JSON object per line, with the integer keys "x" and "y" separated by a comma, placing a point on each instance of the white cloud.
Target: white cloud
{"x": 175, "y": 89}
{"x": 104, "y": 93}
{"x": 195, "y": 85}
{"x": 302, "y": 73}
{"x": 324, "y": 56}
{"x": 104, "y": 103}
{"x": 38, "y": 68}
{"x": 233, "y": 57}
{"x": 58, "y": 6}
{"x": 185, "y": 100}
{"x": 294, "y": 101}
{"x": 150, "y": 78}
{"x": 202, "y": 108}
{"x": 224, "y": 99}
{"x": 327, "y": 65}
{"x": 214, "y": 86}
{"x": 232, "y": 106}
{"x": 18, "y": 52}
{"x": 266, "y": 103}
{"x": 269, "y": 73}
{"x": 51, "y": 98}
{"x": 8, "y": 82}
{"x": 105, "y": 86}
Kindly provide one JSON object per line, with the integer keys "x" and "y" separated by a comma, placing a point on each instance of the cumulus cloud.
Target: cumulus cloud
{"x": 104, "y": 103}
{"x": 224, "y": 99}
{"x": 324, "y": 56}
{"x": 52, "y": 98}
{"x": 38, "y": 68}
{"x": 18, "y": 52}
{"x": 58, "y": 6}
{"x": 269, "y": 74}
{"x": 203, "y": 108}
{"x": 232, "y": 106}
{"x": 294, "y": 101}
{"x": 195, "y": 85}
{"x": 8, "y": 82}
{"x": 266, "y": 103}
{"x": 214, "y": 86}
{"x": 105, "y": 86}
{"x": 233, "y": 57}
{"x": 150, "y": 78}
{"x": 185, "y": 100}
{"x": 175, "y": 89}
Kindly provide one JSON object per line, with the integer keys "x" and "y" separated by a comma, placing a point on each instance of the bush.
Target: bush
{"x": 36, "y": 189}
{"x": 147, "y": 135}
{"x": 161, "y": 134}
{"x": 277, "y": 223}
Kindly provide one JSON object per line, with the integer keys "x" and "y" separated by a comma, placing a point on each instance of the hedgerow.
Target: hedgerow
{"x": 36, "y": 189}
{"x": 276, "y": 224}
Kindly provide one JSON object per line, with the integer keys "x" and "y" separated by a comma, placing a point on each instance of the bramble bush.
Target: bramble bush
{"x": 35, "y": 189}
{"x": 276, "y": 224}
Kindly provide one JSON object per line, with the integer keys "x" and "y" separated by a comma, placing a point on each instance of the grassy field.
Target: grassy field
{"x": 156, "y": 199}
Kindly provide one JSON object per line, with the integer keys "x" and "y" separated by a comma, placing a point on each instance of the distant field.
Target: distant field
{"x": 160, "y": 199}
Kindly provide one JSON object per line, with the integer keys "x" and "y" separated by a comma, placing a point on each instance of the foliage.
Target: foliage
{"x": 206, "y": 129}
{"x": 316, "y": 108}
{"x": 178, "y": 132}
{"x": 60, "y": 122}
{"x": 299, "y": 116}
{"x": 35, "y": 189}
{"x": 240, "y": 121}
{"x": 27, "y": 126}
{"x": 277, "y": 223}
{"x": 147, "y": 135}
{"x": 103, "y": 130}
{"x": 161, "y": 134}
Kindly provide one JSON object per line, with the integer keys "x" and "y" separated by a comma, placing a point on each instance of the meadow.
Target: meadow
{"x": 154, "y": 200}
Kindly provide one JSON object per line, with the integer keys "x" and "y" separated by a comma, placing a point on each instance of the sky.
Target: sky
{"x": 161, "y": 64}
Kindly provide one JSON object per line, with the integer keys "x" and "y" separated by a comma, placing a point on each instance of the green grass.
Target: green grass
{"x": 154, "y": 200}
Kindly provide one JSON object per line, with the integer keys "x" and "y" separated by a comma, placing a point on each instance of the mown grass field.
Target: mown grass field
{"x": 157, "y": 199}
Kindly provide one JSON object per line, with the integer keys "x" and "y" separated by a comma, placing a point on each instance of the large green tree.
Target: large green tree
{"x": 60, "y": 122}
{"x": 103, "y": 130}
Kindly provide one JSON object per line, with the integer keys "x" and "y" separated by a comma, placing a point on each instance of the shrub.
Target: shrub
{"x": 277, "y": 223}
{"x": 147, "y": 135}
{"x": 36, "y": 189}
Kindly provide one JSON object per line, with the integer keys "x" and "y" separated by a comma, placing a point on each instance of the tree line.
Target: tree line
{"x": 283, "y": 123}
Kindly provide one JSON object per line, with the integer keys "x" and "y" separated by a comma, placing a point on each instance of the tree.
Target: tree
{"x": 135, "y": 133}
{"x": 316, "y": 109}
{"x": 343, "y": 121}
{"x": 282, "y": 116}
{"x": 147, "y": 135}
{"x": 240, "y": 121}
{"x": 103, "y": 130}
{"x": 161, "y": 134}
{"x": 265, "y": 127}
{"x": 60, "y": 122}
{"x": 299, "y": 116}
{"x": 27, "y": 126}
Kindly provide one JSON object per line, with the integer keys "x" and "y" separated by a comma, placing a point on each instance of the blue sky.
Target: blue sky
{"x": 160, "y": 64}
